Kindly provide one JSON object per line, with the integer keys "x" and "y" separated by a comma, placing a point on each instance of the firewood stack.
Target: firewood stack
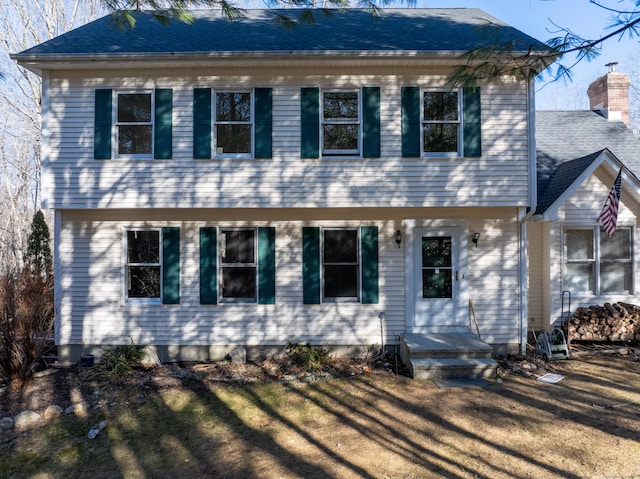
{"x": 618, "y": 322}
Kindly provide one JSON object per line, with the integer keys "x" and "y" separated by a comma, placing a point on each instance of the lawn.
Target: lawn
{"x": 188, "y": 422}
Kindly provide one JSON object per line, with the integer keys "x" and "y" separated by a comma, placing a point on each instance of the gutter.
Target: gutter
{"x": 452, "y": 55}
{"x": 305, "y": 58}
{"x": 117, "y": 59}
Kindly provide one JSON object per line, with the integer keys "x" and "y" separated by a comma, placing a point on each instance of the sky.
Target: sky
{"x": 537, "y": 18}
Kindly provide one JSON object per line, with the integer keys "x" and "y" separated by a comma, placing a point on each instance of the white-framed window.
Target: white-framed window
{"x": 143, "y": 264}
{"x": 134, "y": 124}
{"x": 238, "y": 265}
{"x": 596, "y": 264}
{"x": 441, "y": 125}
{"x": 340, "y": 264}
{"x": 341, "y": 122}
{"x": 233, "y": 123}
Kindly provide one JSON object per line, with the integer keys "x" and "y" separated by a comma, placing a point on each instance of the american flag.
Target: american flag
{"x": 609, "y": 215}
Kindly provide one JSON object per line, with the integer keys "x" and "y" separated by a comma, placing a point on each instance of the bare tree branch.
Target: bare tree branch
{"x": 503, "y": 59}
{"x": 26, "y": 24}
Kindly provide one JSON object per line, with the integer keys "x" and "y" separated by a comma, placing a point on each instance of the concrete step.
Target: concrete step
{"x": 449, "y": 368}
{"x": 448, "y": 355}
{"x": 450, "y": 345}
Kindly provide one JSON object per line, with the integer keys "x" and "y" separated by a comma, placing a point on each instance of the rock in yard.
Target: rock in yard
{"x": 6, "y": 423}
{"x": 95, "y": 430}
{"x": 150, "y": 358}
{"x": 52, "y": 411}
{"x": 77, "y": 409}
{"x": 26, "y": 419}
{"x": 238, "y": 356}
{"x": 46, "y": 372}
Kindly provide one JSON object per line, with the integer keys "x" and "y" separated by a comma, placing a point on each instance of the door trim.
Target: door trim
{"x": 460, "y": 228}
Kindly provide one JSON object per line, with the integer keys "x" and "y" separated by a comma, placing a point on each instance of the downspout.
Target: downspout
{"x": 45, "y": 152}
{"x": 523, "y": 217}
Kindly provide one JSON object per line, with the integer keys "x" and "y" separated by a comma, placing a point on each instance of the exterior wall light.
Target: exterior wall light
{"x": 474, "y": 238}
{"x": 398, "y": 237}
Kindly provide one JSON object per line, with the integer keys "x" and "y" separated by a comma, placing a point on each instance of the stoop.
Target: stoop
{"x": 447, "y": 356}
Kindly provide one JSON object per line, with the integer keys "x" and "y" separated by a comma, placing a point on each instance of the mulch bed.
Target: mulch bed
{"x": 98, "y": 389}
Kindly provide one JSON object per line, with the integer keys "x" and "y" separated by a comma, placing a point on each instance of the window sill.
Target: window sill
{"x": 440, "y": 156}
{"x": 228, "y": 301}
{"x": 341, "y": 157}
{"x": 142, "y": 301}
{"x": 589, "y": 294}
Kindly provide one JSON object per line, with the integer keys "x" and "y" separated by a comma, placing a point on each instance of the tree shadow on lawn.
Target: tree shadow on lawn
{"x": 369, "y": 426}
{"x": 420, "y": 429}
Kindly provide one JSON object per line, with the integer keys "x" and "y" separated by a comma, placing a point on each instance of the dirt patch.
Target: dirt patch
{"x": 93, "y": 386}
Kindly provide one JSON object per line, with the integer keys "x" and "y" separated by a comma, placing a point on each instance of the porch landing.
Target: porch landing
{"x": 447, "y": 356}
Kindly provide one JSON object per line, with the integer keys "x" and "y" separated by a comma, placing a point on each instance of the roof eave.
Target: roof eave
{"x": 113, "y": 61}
{"x": 551, "y": 212}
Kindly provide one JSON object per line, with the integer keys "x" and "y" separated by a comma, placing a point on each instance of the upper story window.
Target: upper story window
{"x": 134, "y": 124}
{"x": 341, "y": 122}
{"x": 233, "y": 123}
{"x": 138, "y": 123}
{"x": 441, "y": 132}
{"x": 441, "y": 123}
{"x": 597, "y": 264}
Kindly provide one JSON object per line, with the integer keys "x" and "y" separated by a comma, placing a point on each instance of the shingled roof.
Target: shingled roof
{"x": 568, "y": 142}
{"x": 356, "y": 30}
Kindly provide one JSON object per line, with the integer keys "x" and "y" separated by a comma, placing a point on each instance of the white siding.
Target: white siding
{"x": 538, "y": 256}
{"x": 498, "y": 179}
{"x": 583, "y": 209}
{"x": 93, "y": 310}
{"x": 493, "y": 279}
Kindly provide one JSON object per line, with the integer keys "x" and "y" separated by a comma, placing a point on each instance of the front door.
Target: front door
{"x": 437, "y": 278}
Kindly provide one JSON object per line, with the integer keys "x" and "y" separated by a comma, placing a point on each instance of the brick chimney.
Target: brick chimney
{"x": 609, "y": 95}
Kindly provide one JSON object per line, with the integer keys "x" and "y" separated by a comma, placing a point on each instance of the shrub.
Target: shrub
{"x": 311, "y": 358}
{"x": 38, "y": 255}
{"x": 26, "y": 307}
{"x": 120, "y": 360}
{"x": 26, "y": 322}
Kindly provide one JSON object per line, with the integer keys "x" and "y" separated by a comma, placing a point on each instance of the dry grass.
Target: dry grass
{"x": 373, "y": 426}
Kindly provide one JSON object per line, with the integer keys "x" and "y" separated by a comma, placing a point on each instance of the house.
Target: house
{"x": 227, "y": 184}
{"x": 573, "y": 261}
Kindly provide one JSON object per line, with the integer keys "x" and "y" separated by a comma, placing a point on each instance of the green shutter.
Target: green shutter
{"x": 371, "y": 122}
{"x": 162, "y": 136}
{"x": 202, "y": 123}
{"x": 171, "y": 265}
{"x": 263, "y": 121}
{"x": 410, "y": 97}
{"x": 102, "y": 125}
{"x": 369, "y": 248}
{"x": 311, "y": 265}
{"x": 208, "y": 265}
{"x": 310, "y": 123}
{"x": 471, "y": 122}
{"x": 267, "y": 265}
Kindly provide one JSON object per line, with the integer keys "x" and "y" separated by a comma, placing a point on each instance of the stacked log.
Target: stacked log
{"x": 618, "y": 322}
